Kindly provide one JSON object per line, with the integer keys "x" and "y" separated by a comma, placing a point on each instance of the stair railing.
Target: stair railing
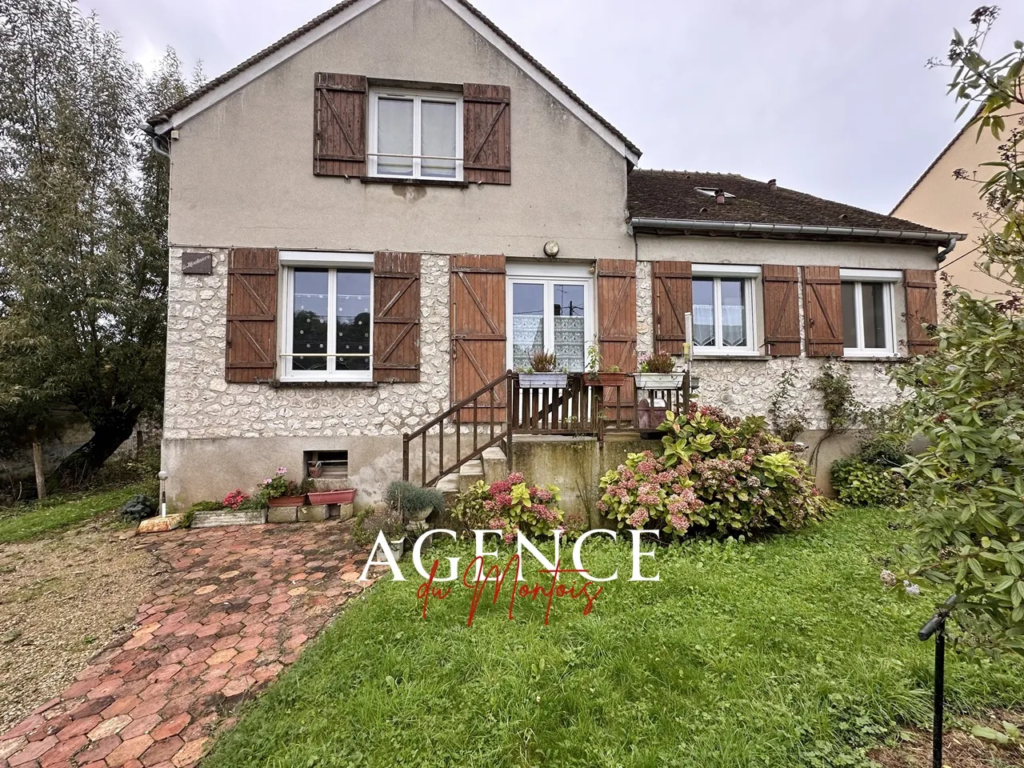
{"x": 467, "y": 411}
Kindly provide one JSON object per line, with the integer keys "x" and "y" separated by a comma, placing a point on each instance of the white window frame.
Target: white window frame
{"x": 417, "y": 98}
{"x": 289, "y": 260}
{"x": 887, "y": 278}
{"x": 549, "y": 276}
{"x": 750, "y": 274}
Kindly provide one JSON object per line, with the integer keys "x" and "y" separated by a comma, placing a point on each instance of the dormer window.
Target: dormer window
{"x": 711, "y": 191}
{"x": 415, "y": 135}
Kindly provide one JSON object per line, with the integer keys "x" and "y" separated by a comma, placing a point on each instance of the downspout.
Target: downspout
{"x": 160, "y": 143}
{"x": 941, "y": 256}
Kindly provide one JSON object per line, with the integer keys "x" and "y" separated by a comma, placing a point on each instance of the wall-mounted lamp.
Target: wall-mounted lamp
{"x": 551, "y": 249}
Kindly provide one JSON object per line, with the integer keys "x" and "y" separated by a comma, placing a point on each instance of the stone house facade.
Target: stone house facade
{"x": 395, "y": 204}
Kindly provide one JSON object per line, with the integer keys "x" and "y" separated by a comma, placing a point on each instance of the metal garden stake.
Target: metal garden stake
{"x": 936, "y": 625}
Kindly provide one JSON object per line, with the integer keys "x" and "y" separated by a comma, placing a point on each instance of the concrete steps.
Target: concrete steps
{"x": 490, "y": 468}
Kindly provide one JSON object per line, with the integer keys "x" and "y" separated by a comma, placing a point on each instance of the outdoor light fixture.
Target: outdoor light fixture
{"x": 551, "y": 248}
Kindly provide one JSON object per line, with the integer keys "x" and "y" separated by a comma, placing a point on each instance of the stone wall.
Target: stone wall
{"x": 199, "y": 403}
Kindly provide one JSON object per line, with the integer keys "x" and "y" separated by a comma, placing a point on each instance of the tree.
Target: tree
{"x": 967, "y": 488}
{"x": 83, "y": 207}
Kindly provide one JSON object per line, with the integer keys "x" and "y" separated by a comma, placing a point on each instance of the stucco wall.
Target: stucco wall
{"x": 944, "y": 203}
{"x": 242, "y": 171}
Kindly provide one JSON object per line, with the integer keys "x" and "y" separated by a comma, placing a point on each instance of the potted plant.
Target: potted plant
{"x": 598, "y": 375}
{"x": 657, "y": 371}
{"x": 413, "y": 503}
{"x": 542, "y": 373}
{"x": 381, "y": 519}
{"x": 278, "y": 491}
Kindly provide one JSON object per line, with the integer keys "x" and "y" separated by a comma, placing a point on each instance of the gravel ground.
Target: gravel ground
{"x": 62, "y": 599}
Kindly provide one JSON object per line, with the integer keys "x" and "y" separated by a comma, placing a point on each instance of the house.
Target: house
{"x": 376, "y": 217}
{"x": 940, "y": 200}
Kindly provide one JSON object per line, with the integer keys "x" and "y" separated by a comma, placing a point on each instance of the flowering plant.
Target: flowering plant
{"x": 277, "y": 486}
{"x": 510, "y": 506}
{"x": 236, "y": 499}
{"x": 657, "y": 362}
{"x": 645, "y": 491}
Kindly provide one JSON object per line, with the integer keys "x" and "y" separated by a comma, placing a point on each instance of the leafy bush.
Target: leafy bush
{"x": 138, "y": 508}
{"x": 658, "y": 362}
{"x": 510, "y": 505}
{"x": 861, "y": 483}
{"x": 206, "y": 506}
{"x": 744, "y": 478}
{"x": 376, "y": 519}
{"x": 644, "y": 491}
{"x": 405, "y": 497}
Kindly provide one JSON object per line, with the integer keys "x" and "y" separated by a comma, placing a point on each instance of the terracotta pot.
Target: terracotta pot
{"x": 341, "y": 496}
{"x": 606, "y": 379}
{"x": 288, "y": 501}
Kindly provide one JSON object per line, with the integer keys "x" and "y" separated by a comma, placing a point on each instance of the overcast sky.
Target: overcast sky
{"x": 830, "y": 97}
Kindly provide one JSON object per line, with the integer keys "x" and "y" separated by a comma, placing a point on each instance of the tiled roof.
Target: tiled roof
{"x": 674, "y": 195}
{"x": 330, "y": 13}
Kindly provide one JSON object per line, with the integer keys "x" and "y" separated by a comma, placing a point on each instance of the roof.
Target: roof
{"x": 332, "y": 13}
{"x": 673, "y": 195}
{"x": 935, "y": 162}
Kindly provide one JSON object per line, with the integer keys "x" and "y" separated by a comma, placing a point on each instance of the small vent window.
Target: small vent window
{"x": 330, "y": 465}
{"x": 711, "y": 191}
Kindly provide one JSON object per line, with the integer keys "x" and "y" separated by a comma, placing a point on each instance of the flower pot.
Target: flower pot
{"x": 658, "y": 381}
{"x": 288, "y": 501}
{"x": 543, "y": 380}
{"x": 418, "y": 515}
{"x": 606, "y": 379}
{"x": 341, "y": 496}
{"x": 397, "y": 548}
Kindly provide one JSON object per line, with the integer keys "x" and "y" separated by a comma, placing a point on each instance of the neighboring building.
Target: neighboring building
{"x": 939, "y": 200}
{"x": 375, "y": 217}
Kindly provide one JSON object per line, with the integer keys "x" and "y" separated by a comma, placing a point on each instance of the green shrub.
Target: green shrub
{"x": 861, "y": 483}
{"x": 745, "y": 479}
{"x": 378, "y": 518}
{"x": 510, "y": 505}
{"x": 138, "y": 508}
{"x": 405, "y": 497}
{"x": 188, "y": 518}
{"x": 644, "y": 491}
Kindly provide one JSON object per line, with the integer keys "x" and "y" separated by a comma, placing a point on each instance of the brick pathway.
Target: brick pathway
{"x": 236, "y": 607}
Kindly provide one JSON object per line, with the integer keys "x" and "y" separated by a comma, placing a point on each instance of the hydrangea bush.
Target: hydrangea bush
{"x": 510, "y": 505}
{"x": 716, "y": 473}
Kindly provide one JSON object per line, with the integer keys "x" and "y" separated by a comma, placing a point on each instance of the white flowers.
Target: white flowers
{"x": 912, "y": 589}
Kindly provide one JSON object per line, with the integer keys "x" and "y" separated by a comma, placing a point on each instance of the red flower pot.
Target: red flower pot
{"x": 606, "y": 379}
{"x": 343, "y": 496}
{"x": 288, "y": 501}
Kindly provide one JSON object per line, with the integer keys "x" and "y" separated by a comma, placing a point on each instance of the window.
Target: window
{"x": 868, "y": 313}
{"x": 552, "y": 312}
{"x": 415, "y": 135}
{"x": 328, "y": 322}
{"x": 723, "y": 310}
{"x": 326, "y": 465}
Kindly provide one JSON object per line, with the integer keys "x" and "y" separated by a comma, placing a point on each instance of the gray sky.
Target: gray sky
{"x": 830, "y": 97}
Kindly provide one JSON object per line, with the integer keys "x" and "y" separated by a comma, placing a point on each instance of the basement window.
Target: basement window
{"x": 326, "y": 465}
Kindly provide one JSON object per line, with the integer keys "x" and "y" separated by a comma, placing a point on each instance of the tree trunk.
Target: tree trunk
{"x": 110, "y": 429}
{"x": 37, "y": 463}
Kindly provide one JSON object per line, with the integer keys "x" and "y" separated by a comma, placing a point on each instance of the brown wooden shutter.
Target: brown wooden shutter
{"x": 252, "y": 315}
{"x": 477, "y": 312}
{"x": 339, "y": 119}
{"x": 396, "y": 317}
{"x": 487, "y": 133}
{"x": 673, "y": 298}
{"x": 823, "y": 312}
{"x": 616, "y": 324}
{"x": 922, "y": 309}
{"x": 781, "y": 310}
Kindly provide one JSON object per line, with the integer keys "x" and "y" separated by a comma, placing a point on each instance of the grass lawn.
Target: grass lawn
{"x": 31, "y": 521}
{"x": 782, "y": 653}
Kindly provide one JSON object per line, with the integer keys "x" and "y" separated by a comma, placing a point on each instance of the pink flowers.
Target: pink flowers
{"x": 502, "y": 486}
{"x": 679, "y": 523}
{"x": 516, "y": 478}
{"x": 639, "y": 518}
{"x": 510, "y": 505}
{"x": 235, "y": 499}
{"x": 644, "y": 490}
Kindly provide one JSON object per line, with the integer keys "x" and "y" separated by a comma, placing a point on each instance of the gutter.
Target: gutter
{"x": 696, "y": 226}
{"x": 160, "y": 143}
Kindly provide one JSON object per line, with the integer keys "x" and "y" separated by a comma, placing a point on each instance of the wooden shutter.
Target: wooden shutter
{"x": 396, "y": 317}
{"x": 673, "y": 298}
{"x": 251, "y": 315}
{"x": 477, "y": 312}
{"x": 781, "y": 310}
{"x": 823, "y": 312}
{"x": 922, "y": 309}
{"x": 487, "y": 133}
{"x": 616, "y": 326}
{"x": 339, "y": 119}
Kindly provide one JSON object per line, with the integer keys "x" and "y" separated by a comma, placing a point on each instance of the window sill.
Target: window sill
{"x": 885, "y": 359}
{"x": 754, "y": 358}
{"x": 414, "y": 182}
{"x": 326, "y": 384}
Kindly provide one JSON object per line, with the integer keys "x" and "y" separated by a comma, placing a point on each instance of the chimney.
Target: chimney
{"x": 720, "y": 196}
{"x": 772, "y": 185}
